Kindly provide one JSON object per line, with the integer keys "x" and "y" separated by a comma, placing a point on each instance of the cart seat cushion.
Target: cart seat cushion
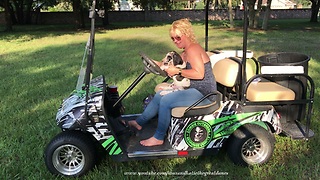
{"x": 226, "y": 72}
{"x": 179, "y": 112}
{"x": 269, "y": 91}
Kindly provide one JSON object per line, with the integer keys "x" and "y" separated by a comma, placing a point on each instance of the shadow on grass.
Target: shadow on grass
{"x": 30, "y": 32}
{"x": 33, "y": 86}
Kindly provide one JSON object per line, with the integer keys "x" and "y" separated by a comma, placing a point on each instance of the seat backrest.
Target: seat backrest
{"x": 226, "y": 71}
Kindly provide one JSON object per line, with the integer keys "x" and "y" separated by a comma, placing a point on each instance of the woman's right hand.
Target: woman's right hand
{"x": 172, "y": 70}
{"x": 157, "y": 63}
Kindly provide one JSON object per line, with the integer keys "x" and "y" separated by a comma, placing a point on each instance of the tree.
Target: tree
{"x": 144, "y": 4}
{"x": 165, "y": 5}
{"x": 19, "y": 11}
{"x": 266, "y": 16}
{"x": 257, "y": 14}
{"x": 78, "y": 14}
{"x": 251, "y": 13}
{"x": 8, "y": 22}
{"x": 18, "y": 6}
{"x": 106, "y": 5}
{"x": 254, "y": 14}
{"x": 230, "y": 13}
{"x": 314, "y": 10}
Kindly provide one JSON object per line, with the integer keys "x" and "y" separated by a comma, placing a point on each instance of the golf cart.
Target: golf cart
{"x": 244, "y": 117}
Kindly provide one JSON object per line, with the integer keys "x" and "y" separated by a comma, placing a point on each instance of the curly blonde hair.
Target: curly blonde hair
{"x": 183, "y": 26}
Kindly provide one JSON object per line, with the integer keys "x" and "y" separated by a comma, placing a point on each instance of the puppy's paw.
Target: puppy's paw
{"x": 164, "y": 87}
{"x": 162, "y": 93}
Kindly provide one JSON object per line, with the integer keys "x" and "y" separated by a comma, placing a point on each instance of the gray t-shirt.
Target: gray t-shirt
{"x": 207, "y": 84}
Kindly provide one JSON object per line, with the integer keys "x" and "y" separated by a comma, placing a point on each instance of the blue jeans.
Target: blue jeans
{"x": 164, "y": 104}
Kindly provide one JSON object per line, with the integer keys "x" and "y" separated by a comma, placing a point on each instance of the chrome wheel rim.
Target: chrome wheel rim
{"x": 68, "y": 159}
{"x": 254, "y": 150}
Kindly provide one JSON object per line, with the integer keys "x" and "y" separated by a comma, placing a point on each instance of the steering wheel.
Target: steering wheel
{"x": 151, "y": 66}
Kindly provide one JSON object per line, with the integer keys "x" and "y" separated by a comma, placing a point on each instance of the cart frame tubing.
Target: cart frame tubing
{"x": 244, "y": 53}
{"x": 90, "y": 56}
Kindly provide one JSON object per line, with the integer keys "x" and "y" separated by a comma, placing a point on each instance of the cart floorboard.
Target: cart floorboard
{"x": 132, "y": 144}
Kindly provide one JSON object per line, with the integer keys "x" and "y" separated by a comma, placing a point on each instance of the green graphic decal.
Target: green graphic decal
{"x": 198, "y": 134}
{"x": 82, "y": 93}
{"x": 229, "y": 124}
{"x": 112, "y": 146}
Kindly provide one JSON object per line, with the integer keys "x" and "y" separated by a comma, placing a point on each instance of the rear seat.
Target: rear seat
{"x": 269, "y": 91}
{"x": 226, "y": 73}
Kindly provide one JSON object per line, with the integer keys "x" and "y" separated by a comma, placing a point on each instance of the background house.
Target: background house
{"x": 125, "y": 5}
{"x": 280, "y": 4}
{"x": 276, "y": 4}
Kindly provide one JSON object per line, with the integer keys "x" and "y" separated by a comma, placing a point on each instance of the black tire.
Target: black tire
{"x": 70, "y": 153}
{"x": 250, "y": 145}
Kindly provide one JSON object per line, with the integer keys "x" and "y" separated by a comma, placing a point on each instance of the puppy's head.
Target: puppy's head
{"x": 172, "y": 58}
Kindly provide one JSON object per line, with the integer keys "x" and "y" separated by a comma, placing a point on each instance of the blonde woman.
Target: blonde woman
{"x": 199, "y": 72}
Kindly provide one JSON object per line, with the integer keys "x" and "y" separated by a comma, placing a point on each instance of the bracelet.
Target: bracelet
{"x": 180, "y": 71}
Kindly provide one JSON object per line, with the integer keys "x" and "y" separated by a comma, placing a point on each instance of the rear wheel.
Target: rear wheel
{"x": 70, "y": 153}
{"x": 251, "y": 144}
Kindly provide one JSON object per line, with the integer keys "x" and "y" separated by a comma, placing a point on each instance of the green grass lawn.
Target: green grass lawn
{"x": 39, "y": 68}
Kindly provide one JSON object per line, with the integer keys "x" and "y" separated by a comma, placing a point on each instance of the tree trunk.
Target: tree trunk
{"x": 28, "y": 12}
{"x": 19, "y": 10}
{"x": 7, "y": 16}
{"x": 77, "y": 14}
{"x": 82, "y": 23}
{"x": 266, "y": 16}
{"x": 37, "y": 16}
{"x": 257, "y": 14}
{"x": 13, "y": 17}
{"x": 230, "y": 13}
{"x": 251, "y": 12}
{"x": 105, "y": 20}
{"x": 314, "y": 10}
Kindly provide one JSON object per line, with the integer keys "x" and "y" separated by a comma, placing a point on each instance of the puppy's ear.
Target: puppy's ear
{"x": 177, "y": 58}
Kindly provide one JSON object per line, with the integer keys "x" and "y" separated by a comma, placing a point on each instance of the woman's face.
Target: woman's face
{"x": 178, "y": 39}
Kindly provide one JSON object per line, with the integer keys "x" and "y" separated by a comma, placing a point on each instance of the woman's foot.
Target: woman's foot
{"x": 132, "y": 124}
{"x": 151, "y": 142}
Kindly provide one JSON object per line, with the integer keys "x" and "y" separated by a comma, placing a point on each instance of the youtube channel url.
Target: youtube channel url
{"x": 185, "y": 173}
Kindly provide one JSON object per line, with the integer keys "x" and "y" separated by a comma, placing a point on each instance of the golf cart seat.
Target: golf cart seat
{"x": 269, "y": 91}
{"x": 197, "y": 110}
{"x": 179, "y": 112}
{"x": 226, "y": 73}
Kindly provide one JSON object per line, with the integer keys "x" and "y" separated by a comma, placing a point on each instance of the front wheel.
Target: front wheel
{"x": 251, "y": 144}
{"x": 70, "y": 153}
